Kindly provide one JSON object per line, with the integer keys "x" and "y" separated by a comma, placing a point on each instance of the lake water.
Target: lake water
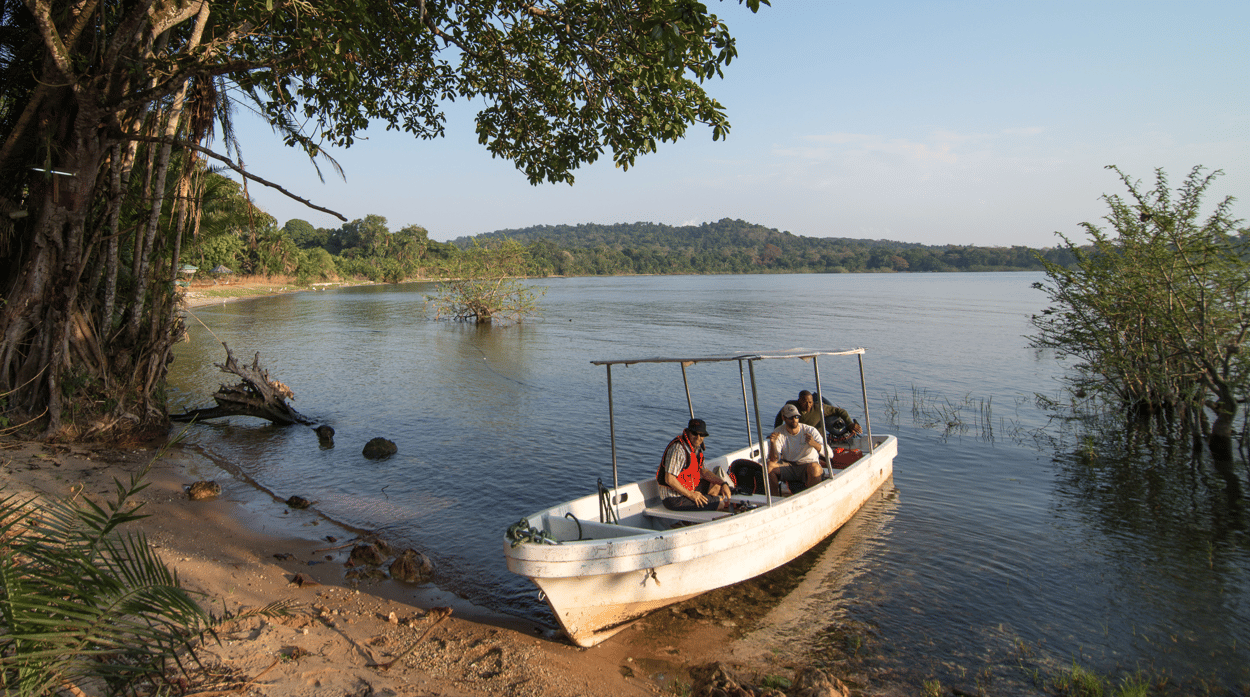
{"x": 1006, "y": 548}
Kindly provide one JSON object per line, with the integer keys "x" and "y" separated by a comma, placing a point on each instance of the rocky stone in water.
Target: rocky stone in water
{"x": 412, "y": 566}
{"x": 378, "y": 448}
{"x": 202, "y": 490}
{"x": 714, "y": 680}
{"x": 298, "y": 502}
{"x": 814, "y": 682}
{"x": 366, "y": 555}
{"x": 325, "y": 436}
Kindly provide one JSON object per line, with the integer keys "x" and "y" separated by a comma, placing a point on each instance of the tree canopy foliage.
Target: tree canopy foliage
{"x": 107, "y": 110}
{"x": 1157, "y": 312}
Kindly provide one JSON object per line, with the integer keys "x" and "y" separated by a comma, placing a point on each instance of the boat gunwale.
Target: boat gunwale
{"x": 725, "y": 531}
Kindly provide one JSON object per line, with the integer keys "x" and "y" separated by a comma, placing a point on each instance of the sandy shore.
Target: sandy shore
{"x": 245, "y": 548}
{"x": 202, "y": 293}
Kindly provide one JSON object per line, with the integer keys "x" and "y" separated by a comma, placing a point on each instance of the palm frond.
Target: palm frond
{"x": 81, "y": 603}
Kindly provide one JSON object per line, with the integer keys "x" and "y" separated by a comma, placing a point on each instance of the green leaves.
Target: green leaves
{"x": 80, "y": 603}
{"x": 567, "y": 81}
{"x": 1157, "y": 310}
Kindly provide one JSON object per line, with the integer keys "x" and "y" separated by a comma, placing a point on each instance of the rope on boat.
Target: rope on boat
{"x": 521, "y": 532}
{"x": 575, "y": 520}
{"x": 607, "y": 514}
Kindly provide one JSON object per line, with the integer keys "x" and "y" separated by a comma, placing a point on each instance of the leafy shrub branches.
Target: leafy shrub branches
{"x": 1158, "y": 310}
{"x": 483, "y": 286}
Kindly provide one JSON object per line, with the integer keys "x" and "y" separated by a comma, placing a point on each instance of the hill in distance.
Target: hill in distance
{"x": 736, "y": 246}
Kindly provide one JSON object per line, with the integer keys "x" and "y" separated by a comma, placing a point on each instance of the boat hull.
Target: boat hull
{"x": 596, "y": 587}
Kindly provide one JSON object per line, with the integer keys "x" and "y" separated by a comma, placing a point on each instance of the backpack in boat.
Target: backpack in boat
{"x": 748, "y": 475}
{"x": 843, "y": 458}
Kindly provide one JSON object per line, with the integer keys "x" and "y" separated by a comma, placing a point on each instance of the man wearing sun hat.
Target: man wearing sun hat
{"x": 685, "y": 484}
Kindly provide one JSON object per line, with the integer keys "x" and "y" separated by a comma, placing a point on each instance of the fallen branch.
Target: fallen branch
{"x": 256, "y": 395}
{"x": 236, "y": 690}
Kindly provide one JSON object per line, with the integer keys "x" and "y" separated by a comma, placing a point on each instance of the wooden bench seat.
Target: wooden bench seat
{"x": 659, "y": 511}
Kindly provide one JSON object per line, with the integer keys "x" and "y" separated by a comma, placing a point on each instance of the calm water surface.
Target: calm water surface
{"x": 1003, "y": 542}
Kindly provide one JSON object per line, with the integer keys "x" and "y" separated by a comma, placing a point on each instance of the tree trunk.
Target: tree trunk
{"x": 1221, "y": 439}
{"x": 123, "y": 165}
{"x": 181, "y": 211}
{"x": 37, "y": 315}
{"x": 158, "y": 186}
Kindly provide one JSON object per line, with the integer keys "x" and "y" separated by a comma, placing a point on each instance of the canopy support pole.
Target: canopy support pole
{"x": 825, "y": 450}
{"x": 686, "y": 384}
{"x": 612, "y": 434}
{"x": 746, "y": 410}
{"x": 755, "y": 397}
{"x": 863, "y": 386}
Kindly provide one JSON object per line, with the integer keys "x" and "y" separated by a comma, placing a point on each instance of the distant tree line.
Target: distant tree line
{"x": 736, "y": 246}
{"x": 234, "y": 234}
{"x": 247, "y": 240}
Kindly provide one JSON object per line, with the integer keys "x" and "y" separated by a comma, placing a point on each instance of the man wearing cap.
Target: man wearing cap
{"x": 794, "y": 453}
{"x": 684, "y": 483}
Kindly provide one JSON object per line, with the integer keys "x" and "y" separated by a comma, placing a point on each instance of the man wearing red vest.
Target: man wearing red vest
{"x": 684, "y": 483}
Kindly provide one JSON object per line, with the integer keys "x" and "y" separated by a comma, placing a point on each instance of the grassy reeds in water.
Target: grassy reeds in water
{"x": 1082, "y": 682}
{"x": 933, "y": 410}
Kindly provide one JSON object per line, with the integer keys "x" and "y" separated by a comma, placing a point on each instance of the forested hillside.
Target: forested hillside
{"x": 736, "y": 246}
{"x": 245, "y": 240}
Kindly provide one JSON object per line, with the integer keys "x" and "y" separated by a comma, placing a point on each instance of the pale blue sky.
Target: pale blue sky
{"x": 959, "y": 122}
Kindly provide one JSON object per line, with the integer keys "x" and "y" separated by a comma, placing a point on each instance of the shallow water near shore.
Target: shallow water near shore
{"x": 1000, "y": 544}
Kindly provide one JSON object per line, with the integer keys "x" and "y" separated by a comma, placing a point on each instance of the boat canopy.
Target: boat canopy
{"x": 746, "y": 356}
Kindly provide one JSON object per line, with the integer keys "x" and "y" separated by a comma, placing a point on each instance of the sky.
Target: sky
{"x": 984, "y": 123}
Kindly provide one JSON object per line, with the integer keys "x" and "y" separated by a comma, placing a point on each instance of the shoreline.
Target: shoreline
{"x": 249, "y": 288}
{"x": 227, "y": 549}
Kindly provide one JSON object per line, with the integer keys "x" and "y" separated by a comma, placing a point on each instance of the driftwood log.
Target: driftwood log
{"x": 256, "y": 395}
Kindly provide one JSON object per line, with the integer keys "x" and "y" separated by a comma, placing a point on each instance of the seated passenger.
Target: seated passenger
{"x": 793, "y": 453}
{"x": 685, "y": 484}
{"x": 810, "y": 415}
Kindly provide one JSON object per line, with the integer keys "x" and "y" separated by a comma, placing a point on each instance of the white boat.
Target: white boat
{"x": 605, "y": 560}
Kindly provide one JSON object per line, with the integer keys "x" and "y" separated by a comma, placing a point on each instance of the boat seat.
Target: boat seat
{"x": 567, "y": 530}
{"x": 659, "y": 511}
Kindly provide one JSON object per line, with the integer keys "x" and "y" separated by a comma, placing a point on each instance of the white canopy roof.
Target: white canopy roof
{"x": 745, "y": 356}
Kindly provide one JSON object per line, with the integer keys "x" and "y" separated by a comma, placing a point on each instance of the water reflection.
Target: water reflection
{"x": 1142, "y": 497}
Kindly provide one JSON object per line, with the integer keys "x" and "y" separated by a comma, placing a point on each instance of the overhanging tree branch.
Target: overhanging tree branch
{"x": 231, "y": 164}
